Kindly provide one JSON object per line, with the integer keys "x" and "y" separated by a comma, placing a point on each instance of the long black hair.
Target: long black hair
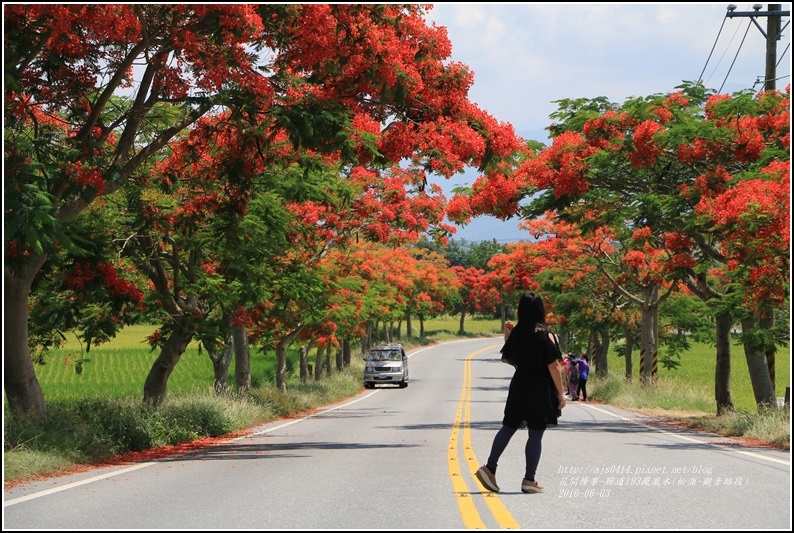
{"x": 531, "y": 320}
{"x": 531, "y": 311}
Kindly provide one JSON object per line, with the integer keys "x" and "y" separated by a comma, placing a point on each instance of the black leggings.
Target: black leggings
{"x": 531, "y": 450}
{"x": 582, "y": 389}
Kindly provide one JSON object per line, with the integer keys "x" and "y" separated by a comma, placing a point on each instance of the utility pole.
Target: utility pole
{"x": 772, "y": 35}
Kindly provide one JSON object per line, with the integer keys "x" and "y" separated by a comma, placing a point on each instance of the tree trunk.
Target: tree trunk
{"x": 364, "y": 342}
{"x": 722, "y": 371}
{"x": 649, "y": 340}
{"x": 339, "y": 360}
{"x": 220, "y": 364}
{"x": 604, "y": 347}
{"x": 597, "y": 354}
{"x": 654, "y": 360}
{"x": 156, "y": 384}
{"x": 767, "y": 323}
{"x": 22, "y": 387}
{"x": 461, "y": 331}
{"x": 242, "y": 358}
{"x": 281, "y": 357}
{"x": 328, "y": 368}
{"x": 408, "y": 327}
{"x": 723, "y": 324}
{"x": 755, "y": 354}
{"x": 281, "y": 366}
{"x": 318, "y": 363}
{"x": 563, "y": 337}
{"x": 421, "y": 326}
{"x": 346, "y": 352}
{"x": 304, "y": 362}
{"x": 629, "y": 347}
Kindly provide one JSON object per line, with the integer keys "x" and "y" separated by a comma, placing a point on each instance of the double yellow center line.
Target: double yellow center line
{"x": 468, "y": 510}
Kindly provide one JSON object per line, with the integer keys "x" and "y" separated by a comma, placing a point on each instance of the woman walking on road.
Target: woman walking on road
{"x": 535, "y": 397}
{"x": 572, "y": 372}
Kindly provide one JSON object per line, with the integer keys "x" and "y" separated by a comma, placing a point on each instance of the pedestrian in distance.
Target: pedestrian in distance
{"x": 572, "y": 373}
{"x": 535, "y": 398}
{"x": 584, "y": 372}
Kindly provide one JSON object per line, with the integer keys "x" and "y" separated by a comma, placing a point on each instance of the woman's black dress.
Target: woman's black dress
{"x": 532, "y": 398}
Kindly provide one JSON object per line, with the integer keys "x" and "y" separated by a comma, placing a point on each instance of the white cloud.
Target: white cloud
{"x": 468, "y": 16}
{"x": 526, "y": 55}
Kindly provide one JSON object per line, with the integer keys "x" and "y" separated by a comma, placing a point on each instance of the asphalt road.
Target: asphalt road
{"x": 393, "y": 458}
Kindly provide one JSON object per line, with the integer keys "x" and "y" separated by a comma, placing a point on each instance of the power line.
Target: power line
{"x": 734, "y": 58}
{"x": 725, "y": 51}
{"x": 771, "y": 35}
{"x": 700, "y": 78}
{"x": 782, "y": 55}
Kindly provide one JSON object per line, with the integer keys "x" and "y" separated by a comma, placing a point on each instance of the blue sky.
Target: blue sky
{"x": 526, "y": 55}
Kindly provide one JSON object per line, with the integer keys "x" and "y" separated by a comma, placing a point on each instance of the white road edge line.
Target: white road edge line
{"x": 690, "y": 439}
{"x": 21, "y": 499}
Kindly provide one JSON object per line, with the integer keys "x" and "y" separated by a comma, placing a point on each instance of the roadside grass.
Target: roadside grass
{"x": 98, "y": 413}
{"x": 96, "y": 430}
{"x": 693, "y": 380}
{"x": 669, "y": 400}
{"x": 686, "y": 394}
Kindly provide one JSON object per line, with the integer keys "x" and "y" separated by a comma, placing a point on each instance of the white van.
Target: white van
{"x": 386, "y": 363}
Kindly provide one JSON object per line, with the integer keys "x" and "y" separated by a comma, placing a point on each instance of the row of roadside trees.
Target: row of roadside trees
{"x": 256, "y": 174}
{"x": 680, "y": 194}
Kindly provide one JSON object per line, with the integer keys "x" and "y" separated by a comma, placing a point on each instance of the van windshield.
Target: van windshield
{"x": 384, "y": 355}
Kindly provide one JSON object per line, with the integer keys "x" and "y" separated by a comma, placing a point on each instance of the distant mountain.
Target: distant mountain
{"x": 486, "y": 228}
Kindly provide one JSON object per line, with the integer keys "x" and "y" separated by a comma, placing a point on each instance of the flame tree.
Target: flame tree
{"x": 655, "y": 175}
{"x": 122, "y": 82}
